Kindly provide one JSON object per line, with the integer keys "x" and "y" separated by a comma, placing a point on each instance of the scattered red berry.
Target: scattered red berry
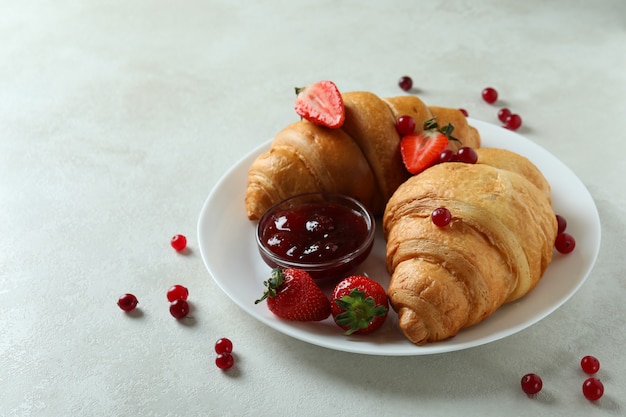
{"x": 405, "y": 125}
{"x": 224, "y": 361}
{"x": 564, "y": 243}
{"x": 513, "y": 122}
{"x": 531, "y": 384}
{"x": 405, "y": 83}
{"x": 503, "y": 113}
{"x": 223, "y": 345}
{"x": 467, "y": 155}
{"x": 490, "y": 95}
{"x": 448, "y": 155}
{"x": 465, "y": 113}
{"x": 441, "y": 217}
{"x": 590, "y": 364}
{"x": 177, "y": 292}
{"x": 179, "y": 242}
{"x": 562, "y": 224}
{"x": 593, "y": 389}
{"x": 179, "y": 309}
{"x": 127, "y": 302}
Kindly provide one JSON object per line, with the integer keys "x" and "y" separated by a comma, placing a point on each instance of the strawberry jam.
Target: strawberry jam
{"x": 325, "y": 238}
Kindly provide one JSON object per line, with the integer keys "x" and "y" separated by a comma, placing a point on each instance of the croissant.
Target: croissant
{"x": 495, "y": 250}
{"x": 361, "y": 159}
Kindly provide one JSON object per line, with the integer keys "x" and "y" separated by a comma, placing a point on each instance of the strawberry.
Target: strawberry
{"x": 421, "y": 150}
{"x": 359, "y": 305}
{"x": 293, "y": 295}
{"x": 321, "y": 103}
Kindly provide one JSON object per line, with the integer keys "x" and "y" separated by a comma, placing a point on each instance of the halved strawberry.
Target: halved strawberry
{"x": 421, "y": 150}
{"x": 321, "y": 103}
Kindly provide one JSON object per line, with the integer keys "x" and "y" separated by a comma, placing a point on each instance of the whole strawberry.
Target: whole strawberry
{"x": 321, "y": 103}
{"x": 292, "y": 294}
{"x": 359, "y": 305}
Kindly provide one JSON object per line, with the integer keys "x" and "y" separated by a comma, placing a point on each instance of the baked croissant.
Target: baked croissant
{"x": 361, "y": 159}
{"x": 495, "y": 249}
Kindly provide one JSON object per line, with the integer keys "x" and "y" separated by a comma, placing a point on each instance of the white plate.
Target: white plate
{"x": 227, "y": 245}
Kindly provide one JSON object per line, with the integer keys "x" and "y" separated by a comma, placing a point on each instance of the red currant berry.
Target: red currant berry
{"x": 177, "y": 292}
{"x": 593, "y": 389}
{"x": 223, "y": 345}
{"x": 513, "y": 122}
{"x": 405, "y": 83}
{"x": 465, "y": 113}
{"x": 441, "y": 216}
{"x": 179, "y": 242}
{"x": 590, "y": 364}
{"x": 405, "y": 125}
{"x": 531, "y": 384}
{"x": 503, "y": 113}
{"x": 490, "y": 95}
{"x": 127, "y": 302}
{"x": 179, "y": 309}
{"x": 562, "y": 224}
{"x": 447, "y": 156}
{"x": 224, "y": 361}
{"x": 564, "y": 243}
{"x": 467, "y": 155}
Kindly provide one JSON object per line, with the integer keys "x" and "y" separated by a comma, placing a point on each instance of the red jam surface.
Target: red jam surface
{"x": 315, "y": 232}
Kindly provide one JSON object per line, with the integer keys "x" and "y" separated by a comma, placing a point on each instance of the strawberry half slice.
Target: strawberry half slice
{"x": 421, "y": 150}
{"x": 321, "y": 103}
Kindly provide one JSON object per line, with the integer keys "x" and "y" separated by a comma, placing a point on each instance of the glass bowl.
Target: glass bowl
{"x": 328, "y": 235}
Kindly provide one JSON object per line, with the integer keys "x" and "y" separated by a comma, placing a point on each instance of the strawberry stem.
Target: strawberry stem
{"x": 272, "y": 284}
{"x": 359, "y": 311}
{"x": 431, "y": 124}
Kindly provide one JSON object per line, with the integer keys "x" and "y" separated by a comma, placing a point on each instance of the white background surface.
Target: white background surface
{"x": 118, "y": 118}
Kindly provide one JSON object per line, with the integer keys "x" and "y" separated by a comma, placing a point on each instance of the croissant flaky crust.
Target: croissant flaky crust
{"x": 495, "y": 250}
{"x": 361, "y": 159}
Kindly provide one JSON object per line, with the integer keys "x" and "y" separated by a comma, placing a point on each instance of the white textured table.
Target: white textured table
{"x": 118, "y": 118}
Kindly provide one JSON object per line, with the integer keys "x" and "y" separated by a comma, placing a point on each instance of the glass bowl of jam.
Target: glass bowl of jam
{"x": 328, "y": 235}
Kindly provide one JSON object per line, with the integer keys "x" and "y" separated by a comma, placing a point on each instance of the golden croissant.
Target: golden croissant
{"x": 495, "y": 249}
{"x": 361, "y": 159}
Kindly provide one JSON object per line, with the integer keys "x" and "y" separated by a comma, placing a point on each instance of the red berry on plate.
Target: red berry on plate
{"x": 223, "y": 345}
{"x": 562, "y": 224}
{"x": 405, "y": 83}
{"x": 179, "y": 242}
{"x": 448, "y": 155}
{"x": 490, "y": 95}
{"x": 564, "y": 243}
{"x": 531, "y": 384}
{"x": 503, "y": 113}
{"x": 467, "y": 155}
{"x": 127, "y": 302}
{"x": 513, "y": 122}
{"x": 177, "y": 292}
{"x": 224, "y": 361}
{"x": 590, "y": 364}
{"x": 179, "y": 309}
{"x": 405, "y": 125}
{"x": 465, "y": 113}
{"x": 441, "y": 217}
{"x": 593, "y": 389}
